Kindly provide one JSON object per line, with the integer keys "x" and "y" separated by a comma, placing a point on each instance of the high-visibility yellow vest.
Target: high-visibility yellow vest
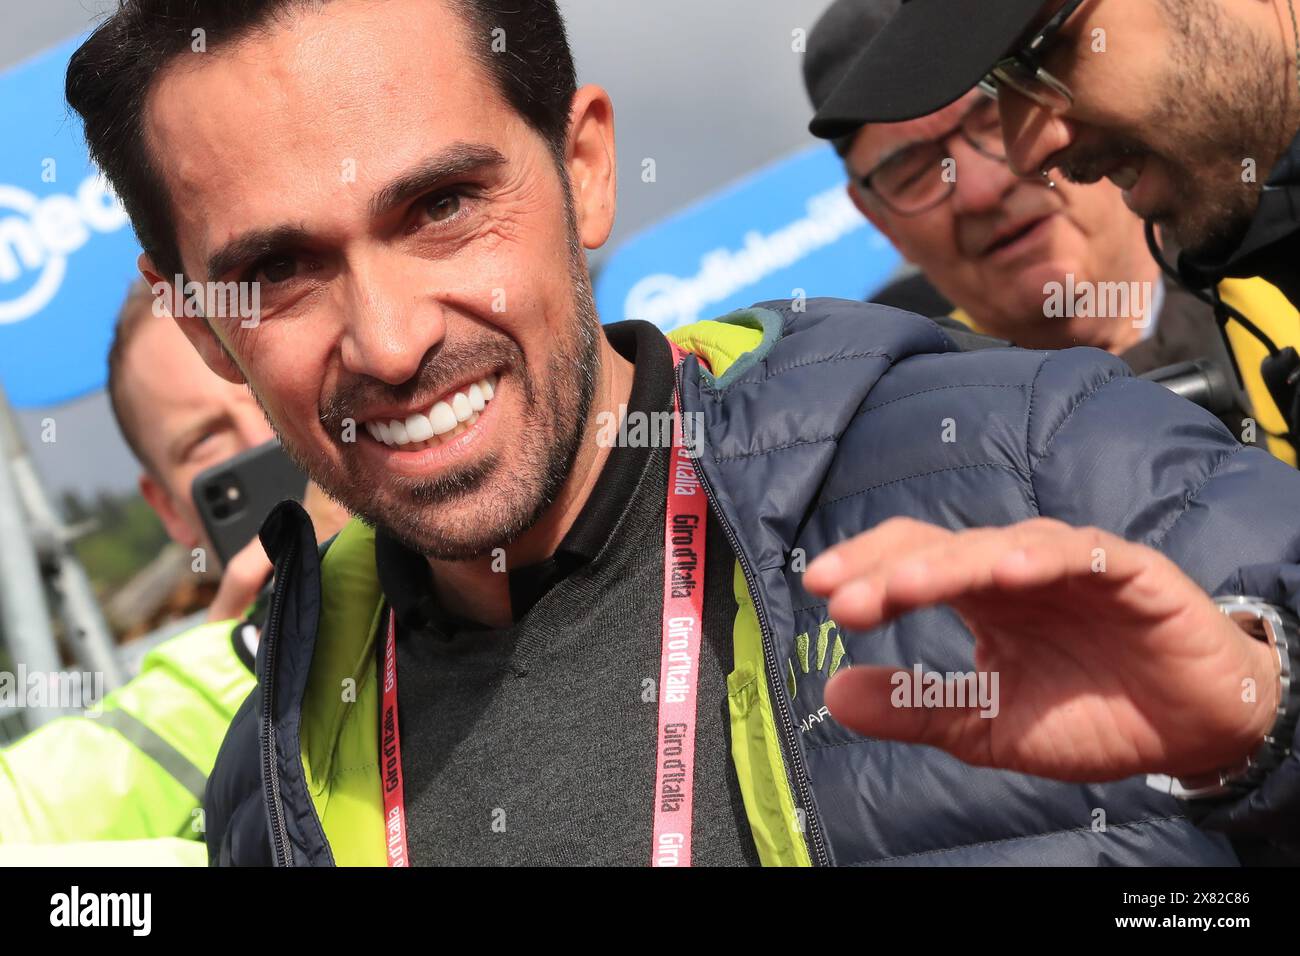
{"x": 1277, "y": 318}
{"x": 136, "y": 770}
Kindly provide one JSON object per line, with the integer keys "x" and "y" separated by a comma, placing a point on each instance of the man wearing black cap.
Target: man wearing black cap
{"x": 1189, "y": 106}
{"x": 998, "y": 251}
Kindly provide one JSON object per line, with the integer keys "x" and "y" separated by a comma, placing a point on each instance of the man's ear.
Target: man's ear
{"x": 592, "y": 164}
{"x": 195, "y": 327}
{"x": 160, "y": 500}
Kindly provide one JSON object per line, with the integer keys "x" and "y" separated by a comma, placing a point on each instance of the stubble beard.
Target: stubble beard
{"x": 469, "y": 511}
{"x": 1240, "y": 102}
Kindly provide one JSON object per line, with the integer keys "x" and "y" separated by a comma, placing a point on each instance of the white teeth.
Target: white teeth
{"x": 418, "y": 428}
{"x": 460, "y": 405}
{"x": 443, "y": 418}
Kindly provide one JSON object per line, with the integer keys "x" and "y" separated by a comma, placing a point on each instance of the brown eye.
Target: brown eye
{"x": 443, "y": 207}
{"x": 279, "y": 269}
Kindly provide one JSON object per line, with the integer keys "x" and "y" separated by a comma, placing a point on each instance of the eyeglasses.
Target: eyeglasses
{"x": 1022, "y": 72}
{"x": 918, "y": 177}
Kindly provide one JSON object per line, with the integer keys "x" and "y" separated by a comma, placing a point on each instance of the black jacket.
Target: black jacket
{"x": 1271, "y": 247}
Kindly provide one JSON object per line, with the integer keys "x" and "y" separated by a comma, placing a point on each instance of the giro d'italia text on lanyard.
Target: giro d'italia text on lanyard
{"x": 679, "y": 663}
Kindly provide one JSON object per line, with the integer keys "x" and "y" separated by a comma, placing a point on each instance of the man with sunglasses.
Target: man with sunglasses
{"x": 1189, "y": 106}
{"x": 999, "y": 252}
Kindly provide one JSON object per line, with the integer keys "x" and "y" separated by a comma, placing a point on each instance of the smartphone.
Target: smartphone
{"x": 234, "y": 497}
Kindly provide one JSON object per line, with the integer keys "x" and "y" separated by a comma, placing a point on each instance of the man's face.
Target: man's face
{"x": 999, "y": 239}
{"x": 412, "y": 238}
{"x": 185, "y": 418}
{"x": 1179, "y": 102}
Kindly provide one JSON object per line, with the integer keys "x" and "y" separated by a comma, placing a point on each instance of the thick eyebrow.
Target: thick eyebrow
{"x": 458, "y": 159}
{"x": 255, "y": 245}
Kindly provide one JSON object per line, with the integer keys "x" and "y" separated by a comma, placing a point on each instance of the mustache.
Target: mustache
{"x": 441, "y": 368}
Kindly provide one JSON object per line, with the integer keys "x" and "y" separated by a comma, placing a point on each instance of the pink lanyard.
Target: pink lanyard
{"x": 684, "y": 551}
{"x": 390, "y": 755}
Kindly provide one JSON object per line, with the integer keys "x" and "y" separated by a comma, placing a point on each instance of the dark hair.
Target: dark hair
{"x": 110, "y": 75}
{"x": 137, "y": 308}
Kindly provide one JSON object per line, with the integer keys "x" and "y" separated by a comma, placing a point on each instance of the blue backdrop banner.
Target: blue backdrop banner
{"x": 786, "y": 231}
{"x": 67, "y": 253}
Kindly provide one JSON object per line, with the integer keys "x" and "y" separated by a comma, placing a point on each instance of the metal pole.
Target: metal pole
{"x": 87, "y": 631}
{"x": 24, "y": 615}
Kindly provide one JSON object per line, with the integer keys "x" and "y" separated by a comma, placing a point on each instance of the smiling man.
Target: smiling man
{"x": 1190, "y": 107}
{"x": 137, "y": 771}
{"x": 1037, "y": 262}
{"x": 998, "y": 244}
{"x": 991, "y": 242}
{"x": 537, "y": 648}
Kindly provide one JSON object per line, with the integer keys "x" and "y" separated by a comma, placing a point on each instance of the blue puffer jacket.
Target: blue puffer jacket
{"x": 844, "y": 416}
{"x": 838, "y": 423}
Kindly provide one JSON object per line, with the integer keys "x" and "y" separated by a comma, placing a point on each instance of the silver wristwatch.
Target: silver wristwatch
{"x": 1280, "y": 629}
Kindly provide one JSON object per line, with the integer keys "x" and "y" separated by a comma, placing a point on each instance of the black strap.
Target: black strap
{"x": 1281, "y": 369}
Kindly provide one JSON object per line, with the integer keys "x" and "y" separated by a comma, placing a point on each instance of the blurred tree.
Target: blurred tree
{"x": 128, "y": 536}
{"x": 74, "y": 509}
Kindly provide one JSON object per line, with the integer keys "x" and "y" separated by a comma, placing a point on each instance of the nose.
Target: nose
{"x": 982, "y": 181}
{"x": 392, "y": 320}
{"x": 1033, "y": 134}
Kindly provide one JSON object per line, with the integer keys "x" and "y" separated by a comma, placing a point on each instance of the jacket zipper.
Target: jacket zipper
{"x": 785, "y": 721}
{"x": 279, "y": 832}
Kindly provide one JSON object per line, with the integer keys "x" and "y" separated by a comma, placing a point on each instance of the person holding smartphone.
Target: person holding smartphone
{"x": 1190, "y": 107}
{"x": 429, "y": 347}
{"x": 180, "y": 420}
{"x": 137, "y": 770}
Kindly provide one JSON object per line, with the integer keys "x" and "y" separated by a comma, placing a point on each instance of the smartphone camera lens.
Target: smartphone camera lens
{"x": 226, "y": 498}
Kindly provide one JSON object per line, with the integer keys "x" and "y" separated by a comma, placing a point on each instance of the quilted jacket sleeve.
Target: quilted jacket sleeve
{"x": 1107, "y": 450}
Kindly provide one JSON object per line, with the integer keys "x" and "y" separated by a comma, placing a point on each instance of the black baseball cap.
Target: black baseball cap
{"x": 929, "y": 54}
{"x": 836, "y": 42}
